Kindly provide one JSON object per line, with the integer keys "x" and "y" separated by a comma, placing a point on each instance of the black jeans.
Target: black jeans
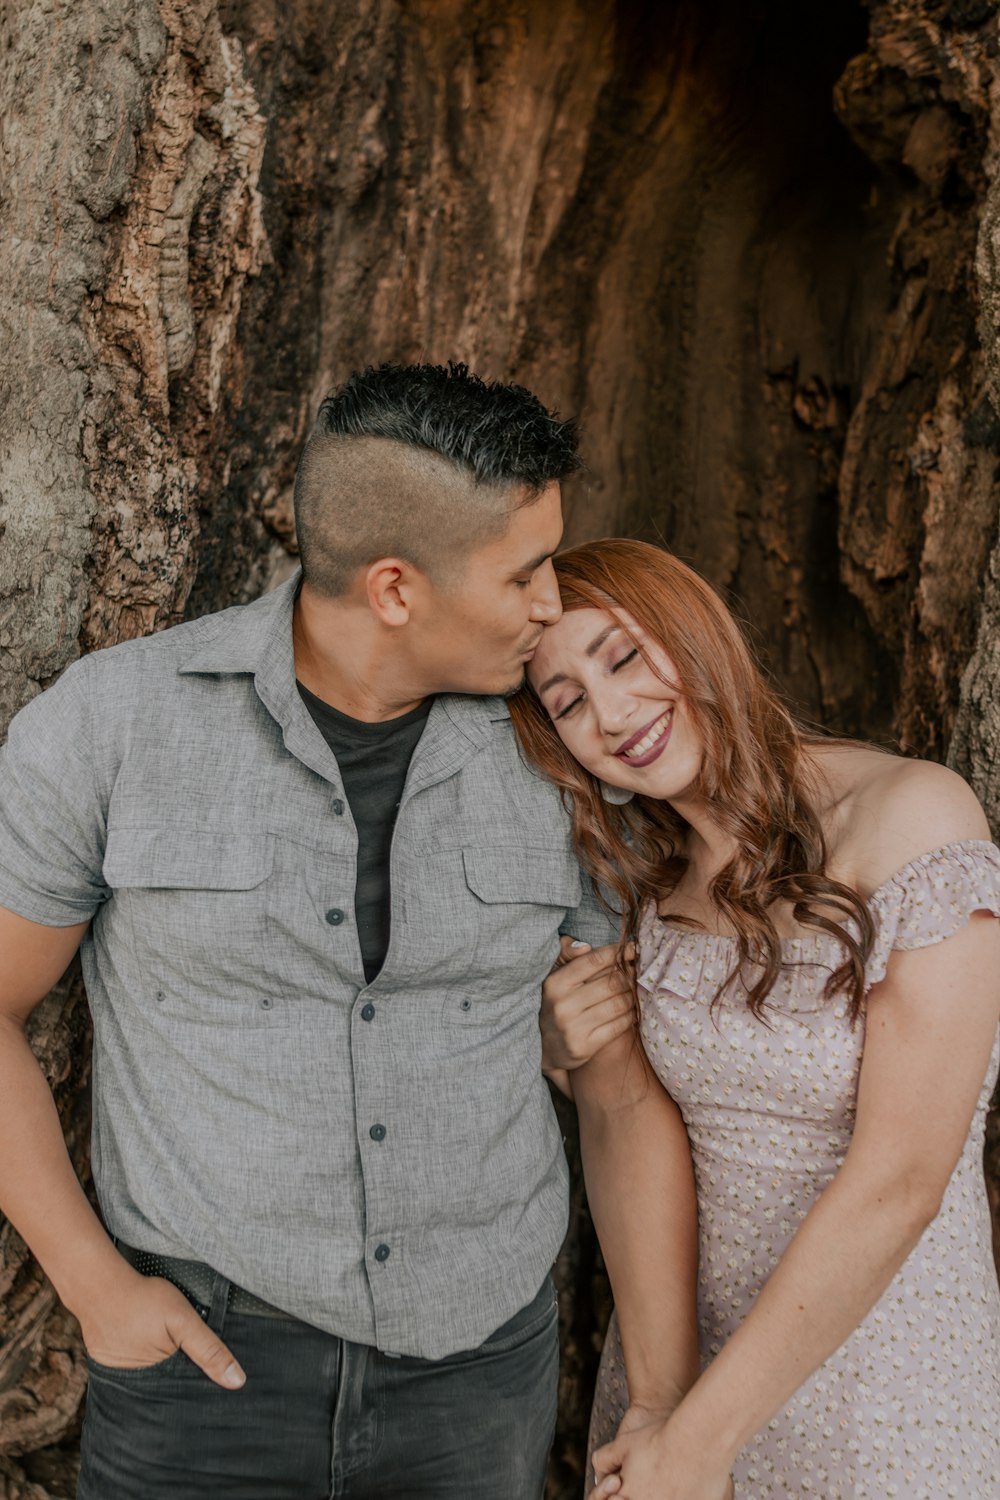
{"x": 320, "y": 1418}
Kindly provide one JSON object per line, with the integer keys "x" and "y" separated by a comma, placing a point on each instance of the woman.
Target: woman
{"x": 818, "y": 993}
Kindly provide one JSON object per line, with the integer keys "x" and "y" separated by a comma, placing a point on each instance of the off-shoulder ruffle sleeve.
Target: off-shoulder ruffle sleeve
{"x": 932, "y": 897}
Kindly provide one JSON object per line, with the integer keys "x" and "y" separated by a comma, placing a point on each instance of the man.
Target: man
{"x": 317, "y": 892}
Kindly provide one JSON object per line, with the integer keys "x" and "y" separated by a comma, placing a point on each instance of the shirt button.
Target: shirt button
{"x": 335, "y": 916}
{"x": 382, "y": 1253}
{"x": 368, "y": 1012}
{"x": 338, "y": 807}
{"x": 377, "y": 1132}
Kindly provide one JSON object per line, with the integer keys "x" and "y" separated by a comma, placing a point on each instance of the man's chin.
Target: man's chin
{"x": 515, "y": 687}
{"x": 497, "y": 688}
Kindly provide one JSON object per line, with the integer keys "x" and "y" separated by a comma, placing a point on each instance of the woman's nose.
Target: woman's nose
{"x": 612, "y": 714}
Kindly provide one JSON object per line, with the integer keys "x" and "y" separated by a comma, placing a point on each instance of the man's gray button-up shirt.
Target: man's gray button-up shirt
{"x": 176, "y": 791}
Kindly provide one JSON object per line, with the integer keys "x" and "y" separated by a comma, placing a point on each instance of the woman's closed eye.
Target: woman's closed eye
{"x": 622, "y": 661}
{"x": 568, "y": 709}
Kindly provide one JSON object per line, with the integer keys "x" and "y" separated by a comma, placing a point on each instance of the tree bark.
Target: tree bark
{"x": 753, "y": 246}
{"x": 131, "y": 219}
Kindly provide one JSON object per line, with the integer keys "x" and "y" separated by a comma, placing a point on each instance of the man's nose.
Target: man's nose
{"x": 546, "y": 605}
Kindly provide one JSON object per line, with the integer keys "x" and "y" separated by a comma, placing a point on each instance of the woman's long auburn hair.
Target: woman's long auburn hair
{"x": 752, "y": 776}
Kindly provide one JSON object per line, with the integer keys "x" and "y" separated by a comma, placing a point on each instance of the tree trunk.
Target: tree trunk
{"x": 754, "y": 246}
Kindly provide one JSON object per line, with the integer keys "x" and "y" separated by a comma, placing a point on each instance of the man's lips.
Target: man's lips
{"x": 657, "y": 731}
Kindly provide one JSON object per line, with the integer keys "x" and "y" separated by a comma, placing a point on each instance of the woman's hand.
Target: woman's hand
{"x": 647, "y": 1462}
{"x": 586, "y": 1003}
{"x": 634, "y": 1420}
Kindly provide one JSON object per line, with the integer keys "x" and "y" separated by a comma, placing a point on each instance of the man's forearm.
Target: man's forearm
{"x": 39, "y": 1191}
{"x": 640, "y": 1186}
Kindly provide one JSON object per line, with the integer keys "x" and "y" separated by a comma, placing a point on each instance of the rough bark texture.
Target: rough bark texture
{"x": 754, "y": 246}
{"x": 131, "y": 218}
{"x": 975, "y": 745}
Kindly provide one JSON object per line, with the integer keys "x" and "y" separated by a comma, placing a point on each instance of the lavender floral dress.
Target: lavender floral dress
{"x": 909, "y": 1406}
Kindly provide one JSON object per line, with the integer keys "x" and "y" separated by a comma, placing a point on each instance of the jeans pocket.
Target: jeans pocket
{"x": 538, "y": 1315}
{"x": 175, "y": 1363}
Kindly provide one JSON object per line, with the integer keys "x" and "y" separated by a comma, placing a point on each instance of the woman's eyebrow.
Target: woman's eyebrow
{"x": 590, "y": 650}
{"x": 599, "y": 640}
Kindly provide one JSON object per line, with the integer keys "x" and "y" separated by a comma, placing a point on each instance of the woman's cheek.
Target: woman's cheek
{"x": 586, "y": 754}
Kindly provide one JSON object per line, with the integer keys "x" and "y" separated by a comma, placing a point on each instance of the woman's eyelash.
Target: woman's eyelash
{"x": 624, "y": 662}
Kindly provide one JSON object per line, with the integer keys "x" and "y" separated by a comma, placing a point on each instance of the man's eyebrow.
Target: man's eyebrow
{"x": 591, "y": 650}
{"x": 536, "y": 562}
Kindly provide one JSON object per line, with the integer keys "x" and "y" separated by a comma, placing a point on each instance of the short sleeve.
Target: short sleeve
{"x": 931, "y": 898}
{"x": 52, "y": 823}
{"x": 589, "y": 921}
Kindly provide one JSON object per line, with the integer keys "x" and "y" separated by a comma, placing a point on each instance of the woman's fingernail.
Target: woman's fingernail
{"x": 576, "y": 943}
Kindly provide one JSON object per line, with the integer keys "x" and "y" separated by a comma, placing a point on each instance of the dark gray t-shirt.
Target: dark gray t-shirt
{"x": 373, "y": 761}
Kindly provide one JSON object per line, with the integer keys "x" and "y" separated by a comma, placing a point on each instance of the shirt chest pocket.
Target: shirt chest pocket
{"x": 190, "y": 909}
{"x": 517, "y": 899}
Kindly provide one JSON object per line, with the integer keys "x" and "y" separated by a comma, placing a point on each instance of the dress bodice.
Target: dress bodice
{"x": 725, "y": 1067}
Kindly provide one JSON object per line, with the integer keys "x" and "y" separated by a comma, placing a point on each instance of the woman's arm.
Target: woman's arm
{"x": 640, "y": 1187}
{"x": 931, "y": 1027}
{"x": 637, "y": 1168}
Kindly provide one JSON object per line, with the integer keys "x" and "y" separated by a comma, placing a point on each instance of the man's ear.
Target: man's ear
{"x": 392, "y": 586}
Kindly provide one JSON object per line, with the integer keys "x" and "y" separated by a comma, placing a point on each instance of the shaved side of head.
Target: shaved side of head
{"x": 361, "y": 498}
{"x": 424, "y": 463}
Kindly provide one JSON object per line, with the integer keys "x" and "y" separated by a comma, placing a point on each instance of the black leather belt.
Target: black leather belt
{"x": 197, "y": 1282}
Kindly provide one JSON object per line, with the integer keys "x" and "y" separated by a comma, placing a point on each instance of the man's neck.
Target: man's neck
{"x": 343, "y": 658}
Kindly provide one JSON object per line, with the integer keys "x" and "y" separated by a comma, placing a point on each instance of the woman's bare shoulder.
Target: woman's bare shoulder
{"x": 884, "y": 811}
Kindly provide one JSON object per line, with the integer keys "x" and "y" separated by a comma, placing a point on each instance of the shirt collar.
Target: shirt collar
{"x": 248, "y": 636}
{"x": 257, "y": 639}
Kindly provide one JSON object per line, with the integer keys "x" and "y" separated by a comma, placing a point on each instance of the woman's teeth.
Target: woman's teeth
{"x": 650, "y": 738}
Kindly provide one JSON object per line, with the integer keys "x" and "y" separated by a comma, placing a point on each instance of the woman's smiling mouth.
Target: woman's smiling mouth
{"x": 648, "y": 743}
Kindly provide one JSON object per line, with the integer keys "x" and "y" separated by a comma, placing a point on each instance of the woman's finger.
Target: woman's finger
{"x": 590, "y": 962}
{"x": 569, "y": 948}
{"x": 608, "y": 1030}
{"x": 607, "y": 1460}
